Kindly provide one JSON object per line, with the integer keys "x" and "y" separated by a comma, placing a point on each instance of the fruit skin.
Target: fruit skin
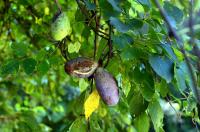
{"x": 81, "y": 67}
{"x": 106, "y": 86}
{"x": 60, "y": 27}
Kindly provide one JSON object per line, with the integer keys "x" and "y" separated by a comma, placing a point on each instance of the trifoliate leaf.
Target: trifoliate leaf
{"x": 91, "y": 104}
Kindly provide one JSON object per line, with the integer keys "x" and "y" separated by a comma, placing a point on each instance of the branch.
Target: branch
{"x": 180, "y": 43}
{"x": 191, "y": 24}
{"x": 63, "y": 49}
{"x": 97, "y": 28}
{"x": 109, "y": 45}
{"x": 88, "y": 17}
{"x": 170, "y": 103}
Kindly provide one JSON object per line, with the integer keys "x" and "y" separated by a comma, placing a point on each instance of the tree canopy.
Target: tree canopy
{"x": 100, "y": 65}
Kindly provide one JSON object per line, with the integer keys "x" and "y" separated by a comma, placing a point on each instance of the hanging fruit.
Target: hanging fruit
{"x": 106, "y": 86}
{"x": 60, "y": 27}
{"x": 81, "y": 67}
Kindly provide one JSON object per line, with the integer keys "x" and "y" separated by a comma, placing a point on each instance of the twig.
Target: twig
{"x": 99, "y": 34}
{"x": 170, "y": 103}
{"x": 87, "y": 17}
{"x": 88, "y": 125}
{"x": 96, "y": 33}
{"x": 103, "y": 32}
{"x": 65, "y": 49}
{"x": 180, "y": 43}
{"x": 109, "y": 45}
{"x": 62, "y": 47}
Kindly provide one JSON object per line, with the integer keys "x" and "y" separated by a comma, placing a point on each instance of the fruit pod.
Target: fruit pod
{"x": 60, "y": 27}
{"x": 81, "y": 67}
{"x": 106, "y": 86}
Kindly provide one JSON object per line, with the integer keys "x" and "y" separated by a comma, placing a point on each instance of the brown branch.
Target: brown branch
{"x": 88, "y": 17}
{"x": 63, "y": 48}
{"x": 180, "y": 43}
{"x": 192, "y": 39}
{"x": 109, "y": 45}
{"x": 97, "y": 28}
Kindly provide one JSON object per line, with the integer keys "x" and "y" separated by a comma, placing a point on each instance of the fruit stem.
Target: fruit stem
{"x": 109, "y": 45}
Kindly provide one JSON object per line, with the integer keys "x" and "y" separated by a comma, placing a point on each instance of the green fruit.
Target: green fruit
{"x": 106, "y": 86}
{"x": 81, "y": 67}
{"x": 60, "y": 27}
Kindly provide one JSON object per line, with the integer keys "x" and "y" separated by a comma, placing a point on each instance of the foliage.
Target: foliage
{"x": 129, "y": 37}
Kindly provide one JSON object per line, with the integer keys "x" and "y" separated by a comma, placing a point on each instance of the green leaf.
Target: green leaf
{"x": 147, "y": 89}
{"x": 83, "y": 84}
{"x": 95, "y": 126}
{"x": 181, "y": 76}
{"x": 191, "y": 104}
{"x": 102, "y": 45}
{"x": 23, "y": 126}
{"x": 167, "y": 47}
{"x": 43, "y": 67}
{"x": 121, "y": 41}
{"x": 74, "y": 47}
{"x": 162, "y": 87}
{"x": 135, "y": 23}
{"x": 55, "y": 60}
{"x": 156, "y": 114}
{"x": 89, "y": 5}
{"x": 10, "y": 67}
{"x": 114, "y": 4}
{"x": 107, "y": 10}
{"x": 78, "y": 125}
{"x": 144, "y": 2}
{"x": 173, "y": 11}
{"x": 29, "y": 121}
{"x": 120, "y": 26}
{"x": 130, "y": 53}
{"x": 78, "y": 28}
{"x": 19, "y": 49}
{"x": 29, "y": 65}
{"x": 142, "y": 123}
{"x": 144, "y": 81}
{"x": 41, "y": 54}
{"x": 163, "y": 66}
{"x": 137, "y": 104}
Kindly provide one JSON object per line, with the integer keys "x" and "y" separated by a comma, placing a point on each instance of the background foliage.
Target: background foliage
{"x": 156, "y": 91}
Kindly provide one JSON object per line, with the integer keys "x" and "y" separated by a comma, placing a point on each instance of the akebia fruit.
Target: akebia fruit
{"x": 60, "y": 27}
{"x": 81, "y": 67}
{"x": 106, "y": 86}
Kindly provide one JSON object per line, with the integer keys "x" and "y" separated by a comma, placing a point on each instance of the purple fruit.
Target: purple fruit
{"x": 106, "y": 86}
{"x": 81, "y": 67}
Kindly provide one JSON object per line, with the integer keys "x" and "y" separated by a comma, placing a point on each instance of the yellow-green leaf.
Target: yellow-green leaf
{"x": 91, "y": 104}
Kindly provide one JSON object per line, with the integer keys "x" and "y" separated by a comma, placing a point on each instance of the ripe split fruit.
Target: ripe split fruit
{"x": 60, "y": 27}
{"x": 105, "y": 83}
{"x": 81, "y": 67}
